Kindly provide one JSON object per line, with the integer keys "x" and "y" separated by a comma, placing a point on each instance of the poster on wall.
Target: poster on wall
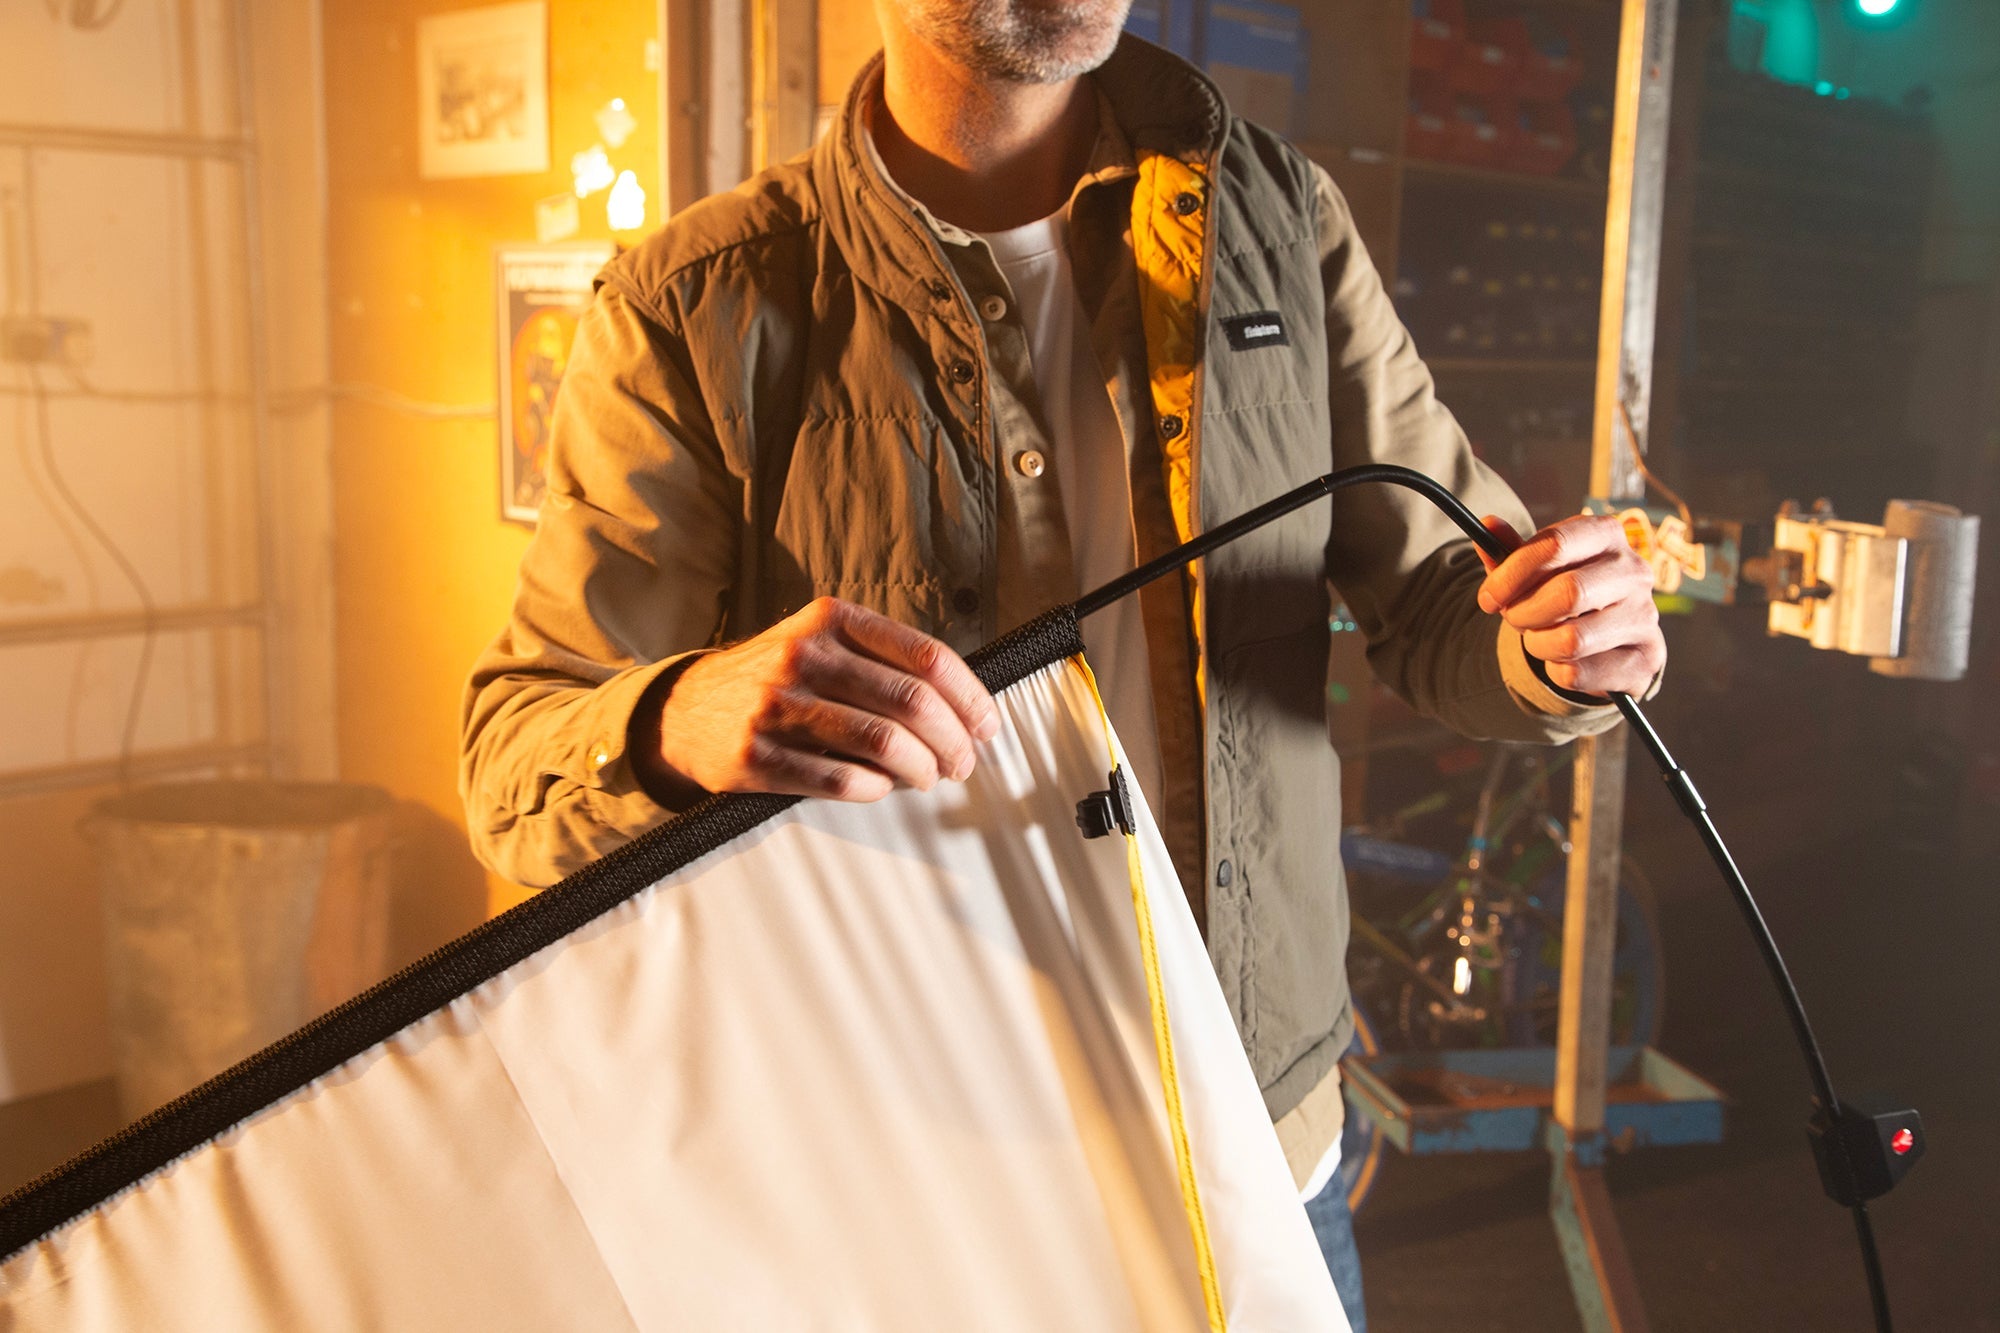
{"x": 483, "y": 91}
{"x": 543, "y": 290}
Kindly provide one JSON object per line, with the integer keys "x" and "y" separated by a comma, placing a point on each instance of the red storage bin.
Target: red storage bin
{"x": 1545, "y": 66}
{"x": 1427, "y": 134}
{"x": 1550, "y": 75}
{"x": 1544, "y": 138}
{"x": 1482, "y": 132}
{"x": 1484, "y": 69}
{"x": 1436, "y": 29}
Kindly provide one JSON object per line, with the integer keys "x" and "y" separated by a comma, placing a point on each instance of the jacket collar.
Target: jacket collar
{"x": 1161, "y": 102}
{"x": 1153, "y": 100}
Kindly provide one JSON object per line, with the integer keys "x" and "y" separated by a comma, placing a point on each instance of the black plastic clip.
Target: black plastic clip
{"x": 1103, "y": 812}
{"x": 1864, "y": 1152}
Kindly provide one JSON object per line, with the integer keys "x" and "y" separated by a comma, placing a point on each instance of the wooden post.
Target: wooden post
{"x": 1599, "y": 1269}
{"x": 683, "y": 106}
{"x": 784, "y": 79}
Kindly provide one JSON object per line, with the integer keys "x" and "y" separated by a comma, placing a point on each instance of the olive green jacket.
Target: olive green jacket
{"x": 800, "y": 388}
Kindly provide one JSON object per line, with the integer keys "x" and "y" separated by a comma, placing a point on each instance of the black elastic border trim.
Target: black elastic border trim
{"x": 181, "y": 1126}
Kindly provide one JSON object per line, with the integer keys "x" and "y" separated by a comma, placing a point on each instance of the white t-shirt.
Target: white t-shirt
{"x": 1090, "y": 464}
{"x": 1087, "y": 456}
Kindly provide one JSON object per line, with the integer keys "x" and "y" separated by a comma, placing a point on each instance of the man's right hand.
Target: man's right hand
{"x": 835, "y": 701}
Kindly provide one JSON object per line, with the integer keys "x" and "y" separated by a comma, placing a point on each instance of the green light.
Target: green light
{"x": 1875, "y": 9}
{"x": 1791, "y": 41}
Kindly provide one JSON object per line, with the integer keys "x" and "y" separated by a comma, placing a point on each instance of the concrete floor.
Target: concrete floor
{"x": 1739, "y": 1236}
{"x": 1882, "y": 893}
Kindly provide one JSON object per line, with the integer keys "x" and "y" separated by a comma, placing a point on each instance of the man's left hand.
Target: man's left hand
{"x": 1583, "y": 602}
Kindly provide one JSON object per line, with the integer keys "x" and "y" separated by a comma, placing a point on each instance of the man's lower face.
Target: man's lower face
{"x": 1023, "y": 41}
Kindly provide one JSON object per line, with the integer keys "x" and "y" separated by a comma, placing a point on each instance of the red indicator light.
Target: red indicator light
{"x": 1902, "y": 1141}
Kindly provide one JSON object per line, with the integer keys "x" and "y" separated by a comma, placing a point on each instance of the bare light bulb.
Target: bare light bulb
{"x": 625, "y": 209}
{"x": 591, "y": 170}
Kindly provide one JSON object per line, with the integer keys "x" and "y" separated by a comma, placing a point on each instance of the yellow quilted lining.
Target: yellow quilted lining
{"x": 1167, "y": 240}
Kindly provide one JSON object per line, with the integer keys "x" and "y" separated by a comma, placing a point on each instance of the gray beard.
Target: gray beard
{"x": 1021, "y": 41}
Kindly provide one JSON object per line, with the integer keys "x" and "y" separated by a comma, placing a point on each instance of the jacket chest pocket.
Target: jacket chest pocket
{"x": 1266, "y": 340}
{"x": 874, "y": 509}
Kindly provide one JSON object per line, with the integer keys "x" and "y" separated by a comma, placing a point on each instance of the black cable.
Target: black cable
{"x": 1871, "y": 1260}
{"x": 59, "y": 485}
{"x": 148, "y": 610}
{"x": 1678, "y": 783}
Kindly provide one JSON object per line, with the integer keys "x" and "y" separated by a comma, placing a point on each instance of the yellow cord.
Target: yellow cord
{"x": 1163, "y": 1045}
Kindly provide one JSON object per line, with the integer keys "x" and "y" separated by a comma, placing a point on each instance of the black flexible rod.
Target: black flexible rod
{"x": 1696, "y": 810}
{"x": 1676, "y": 777}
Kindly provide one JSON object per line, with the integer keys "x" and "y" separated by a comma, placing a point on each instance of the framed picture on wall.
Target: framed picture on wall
{"x": 543, "y": 290}
{"x": 483, "y": 91}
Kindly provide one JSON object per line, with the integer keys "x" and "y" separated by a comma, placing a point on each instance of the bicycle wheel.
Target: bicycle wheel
{"x": 1638, "y": 969}
{"x": 1360, "y": 1138}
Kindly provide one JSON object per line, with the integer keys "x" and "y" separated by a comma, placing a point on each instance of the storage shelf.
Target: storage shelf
{"x": 1872, "y": 329}
{"x": 1502, "y": 1099}
{"x": 146, "y": 764}
{"x": 1425, "y": 168}
{"x": 1826, "y": 386}
{"x": 1787, "y": 182}
{"x": 1329, "y": 154}
{"x": 1751, "y": 98}
{"x": 1861, "y": 256}
{"x": 1496, "y": 365}
{"x": 119, "y": 624}
{"x": 138, "y": 143}
{"x": 1604, "y": 9}
{"x": 1335, "y": 156}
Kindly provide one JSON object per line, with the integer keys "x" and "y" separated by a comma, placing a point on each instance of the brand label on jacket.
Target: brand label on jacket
{"x": 1260, "y": 328}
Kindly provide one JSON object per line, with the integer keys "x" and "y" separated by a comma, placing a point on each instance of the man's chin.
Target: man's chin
{"x": 1062, "y": 42}
{"x": 1055, "y": 71}
{"x": 1061, "y": 65}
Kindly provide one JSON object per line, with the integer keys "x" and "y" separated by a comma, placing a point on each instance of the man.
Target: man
{"x": 1033, "y": 310}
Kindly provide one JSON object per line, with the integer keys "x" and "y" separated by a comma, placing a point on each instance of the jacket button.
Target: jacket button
{"x": 1186, "y": 202}
{"x": 1170, "y": 427}
{"x": 1224, "y": 872}
{"x": 961, "y": 371}
{"x": 1031, "y": 463}
{"x": 965, "y": 601}
{"x": 993, "y": 308}
{"x": 600, "y": 755}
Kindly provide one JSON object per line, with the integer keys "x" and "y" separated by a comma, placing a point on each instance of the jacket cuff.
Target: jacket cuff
{"x": 1535, "y": 696}
{"x": 618, "y": 798}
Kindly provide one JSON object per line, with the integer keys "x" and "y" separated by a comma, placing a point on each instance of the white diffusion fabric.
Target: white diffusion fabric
{"x": 886, "y": 1067}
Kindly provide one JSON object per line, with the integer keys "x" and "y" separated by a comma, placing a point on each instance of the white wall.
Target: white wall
{"x": 153, "y": 439}
{"x": 137, "y": 247}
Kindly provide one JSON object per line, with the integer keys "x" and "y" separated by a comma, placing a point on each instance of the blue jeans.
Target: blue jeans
{"x": 1333, "y": 1224}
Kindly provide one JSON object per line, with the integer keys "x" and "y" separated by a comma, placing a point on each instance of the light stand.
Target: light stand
{"x": 1862, "y": 1154}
